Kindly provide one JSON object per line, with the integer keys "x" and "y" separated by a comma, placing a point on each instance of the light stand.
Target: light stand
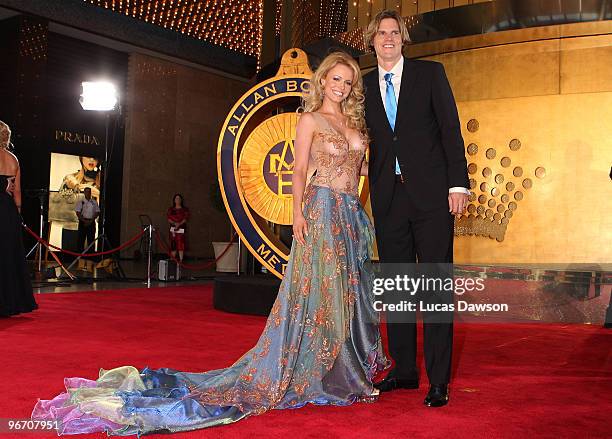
{"x": 105, "y": 170}
{"x": 40, "y": 193}
{"x": 102, "y": 97}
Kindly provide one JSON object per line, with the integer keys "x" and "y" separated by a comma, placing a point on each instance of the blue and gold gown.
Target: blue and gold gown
{"x": 321, "y": 343}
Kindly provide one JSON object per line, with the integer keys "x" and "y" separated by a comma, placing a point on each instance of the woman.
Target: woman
{"x": 87, "y": 176}
{"x": 177, "y": 216}
{"x": 321, "y": 342}
{"x": 15, "y": 286}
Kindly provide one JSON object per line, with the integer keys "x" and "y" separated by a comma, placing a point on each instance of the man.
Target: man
{"x": 87, "y": 210}
{"x": 418, "y": 181}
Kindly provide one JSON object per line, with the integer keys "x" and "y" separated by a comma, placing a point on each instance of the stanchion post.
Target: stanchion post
{"x": 239, "y": 254}
{"x": 149, "y": 255}
{"x": 40, "y": 247}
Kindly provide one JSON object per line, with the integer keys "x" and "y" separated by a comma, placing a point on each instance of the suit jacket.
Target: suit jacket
{"x": 426, "y": 141}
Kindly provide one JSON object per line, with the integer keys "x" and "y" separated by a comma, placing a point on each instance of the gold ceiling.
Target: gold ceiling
{"x": 235, "y": 24}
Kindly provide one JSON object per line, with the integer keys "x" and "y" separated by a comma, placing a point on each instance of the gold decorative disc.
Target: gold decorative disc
{"x": 266, "y": 168}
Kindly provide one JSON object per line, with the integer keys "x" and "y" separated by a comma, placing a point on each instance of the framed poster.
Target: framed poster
{"x": 69, "y": 176}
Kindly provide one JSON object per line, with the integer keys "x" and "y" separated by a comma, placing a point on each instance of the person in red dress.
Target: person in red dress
{"x": 177, "y": 216}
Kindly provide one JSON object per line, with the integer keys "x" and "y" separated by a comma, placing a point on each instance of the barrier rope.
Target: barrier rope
{"x": 168, "y": 251}
{"x": 131, "y": 241}
{"x": 68, "y": 252}
{"x": 54, "y": 256}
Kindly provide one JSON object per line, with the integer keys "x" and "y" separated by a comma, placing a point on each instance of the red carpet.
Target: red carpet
{"x": 509, "y": 380}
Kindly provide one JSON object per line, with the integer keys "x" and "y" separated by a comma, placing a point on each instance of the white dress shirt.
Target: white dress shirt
{"x": 88, "y": 208}
{"x": 396, "y": 80}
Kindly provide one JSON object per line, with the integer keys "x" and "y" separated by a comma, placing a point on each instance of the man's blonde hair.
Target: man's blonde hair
{"x": 372, "y": 28}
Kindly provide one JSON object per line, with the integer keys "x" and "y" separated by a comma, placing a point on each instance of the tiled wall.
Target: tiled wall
{"x": 174, "y": 116}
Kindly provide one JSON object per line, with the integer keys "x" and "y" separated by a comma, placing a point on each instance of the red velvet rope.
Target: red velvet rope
{"x": 130, "y": 242}
{"x": 166, "y": 248}
{"x": 68, "y": 252}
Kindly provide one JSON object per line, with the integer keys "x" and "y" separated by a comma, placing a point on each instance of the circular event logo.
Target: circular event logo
{"x": 255, "y": 165}
{"x": 266, "y": 168}
{"x": 255, "y": 160}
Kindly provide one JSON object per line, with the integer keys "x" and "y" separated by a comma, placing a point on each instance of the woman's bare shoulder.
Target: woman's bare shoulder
{"x": 307, "y": 123}
{"x": 307, "y": 118}
{"x": 8, "y": 159}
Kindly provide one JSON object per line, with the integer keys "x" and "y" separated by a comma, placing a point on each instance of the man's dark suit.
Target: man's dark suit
{"x": 411, "y": 217}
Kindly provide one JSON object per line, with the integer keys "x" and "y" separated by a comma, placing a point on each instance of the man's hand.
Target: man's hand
{"x": 457, "y": 202}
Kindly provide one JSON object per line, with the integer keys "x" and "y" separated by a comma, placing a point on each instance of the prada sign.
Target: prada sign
{"x": 80, "y": 138}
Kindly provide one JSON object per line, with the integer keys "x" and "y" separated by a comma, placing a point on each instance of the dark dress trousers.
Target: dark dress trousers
{"x": 411, "y": 214}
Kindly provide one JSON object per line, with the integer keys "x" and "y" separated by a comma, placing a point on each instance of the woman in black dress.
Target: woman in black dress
{"x": 15, "y": 286}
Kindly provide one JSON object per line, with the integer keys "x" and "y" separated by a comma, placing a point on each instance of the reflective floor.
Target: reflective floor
{"x": 546, "y": 293}
{"x": 133, "y": 274}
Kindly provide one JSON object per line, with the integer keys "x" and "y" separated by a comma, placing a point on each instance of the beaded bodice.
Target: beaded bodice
{"x": 336, "y": 159}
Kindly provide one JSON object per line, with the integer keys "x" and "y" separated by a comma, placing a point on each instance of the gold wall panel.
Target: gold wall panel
{"x": 525, "y": 69}
{"x": 425, "y": 6}
{"x": 409, "y": 7}
{"x": 490, "y": 190}
{"x": 358, "y": 9}
{"x": 491, "y": 39}
{"x": 586, "y": 64}
{"x": 377, "y": 5}
{"x": 563, "y": 212}
{"x": 363, "y": 14}
{"x": 352, "y": 15}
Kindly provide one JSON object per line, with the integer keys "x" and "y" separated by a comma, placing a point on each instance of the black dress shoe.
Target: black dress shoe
{"x": 392, "y": 383}
{"x": 437, "y": 396}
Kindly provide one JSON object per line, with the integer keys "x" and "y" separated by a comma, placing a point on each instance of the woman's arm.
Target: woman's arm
{"x": 303, "y": 141}
{"x": 170, "y": 217}
{"x": 17, "y": 189}
{"x": 364, "y": 167}
{"x": 72, "y": 181}
{"x": 185, "y": 217}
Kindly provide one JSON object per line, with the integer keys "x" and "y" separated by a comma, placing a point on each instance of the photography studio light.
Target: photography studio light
{"x": 98, "y": 96}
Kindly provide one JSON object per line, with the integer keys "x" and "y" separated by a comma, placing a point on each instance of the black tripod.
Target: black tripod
{"x": 103, "y": 242}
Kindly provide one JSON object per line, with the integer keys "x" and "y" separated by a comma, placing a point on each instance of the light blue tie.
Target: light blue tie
{"x": 391, "y": 109}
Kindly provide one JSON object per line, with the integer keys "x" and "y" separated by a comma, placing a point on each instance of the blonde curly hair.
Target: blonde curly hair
{"x": 5, "y": 135}
{"x": 353, "y": 106}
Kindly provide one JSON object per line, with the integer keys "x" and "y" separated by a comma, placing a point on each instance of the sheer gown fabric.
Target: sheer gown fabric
{"x": 15, "y": 286}
{"x": 321, "y": 343}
